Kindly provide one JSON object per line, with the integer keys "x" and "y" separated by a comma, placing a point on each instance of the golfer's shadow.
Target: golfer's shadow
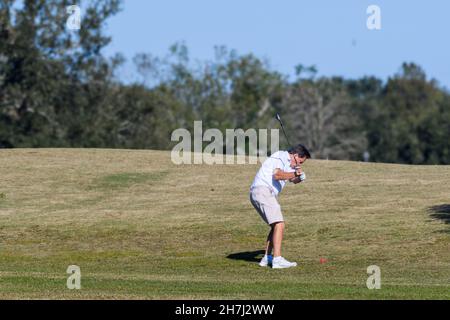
{"x": 440, "y": 212}
{"x": 250, "y": 256}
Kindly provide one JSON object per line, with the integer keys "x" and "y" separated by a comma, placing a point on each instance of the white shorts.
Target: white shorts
{"x": 266, "y": 204}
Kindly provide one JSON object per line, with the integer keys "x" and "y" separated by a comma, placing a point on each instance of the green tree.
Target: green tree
{"x": 408, "y": 124}
{"x": 53, "y": 82}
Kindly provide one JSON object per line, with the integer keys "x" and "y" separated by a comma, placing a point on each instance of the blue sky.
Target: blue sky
{"x": 329, "y": 34}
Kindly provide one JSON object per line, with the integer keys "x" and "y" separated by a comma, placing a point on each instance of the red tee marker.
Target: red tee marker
{"x": 323, "y": 260}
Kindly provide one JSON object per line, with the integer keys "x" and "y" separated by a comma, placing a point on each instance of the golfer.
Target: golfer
{"x": 280, "y": 167}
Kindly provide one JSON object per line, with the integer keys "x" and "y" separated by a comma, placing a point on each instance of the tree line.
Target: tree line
{"x": 57, "y": 89}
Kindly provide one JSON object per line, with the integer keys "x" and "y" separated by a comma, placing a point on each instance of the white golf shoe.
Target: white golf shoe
{"x": 282, "y": 263}
{"x": 266, "y": 260}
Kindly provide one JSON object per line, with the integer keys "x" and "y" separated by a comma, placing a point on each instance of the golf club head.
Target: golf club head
{"x": 277, "y": 116}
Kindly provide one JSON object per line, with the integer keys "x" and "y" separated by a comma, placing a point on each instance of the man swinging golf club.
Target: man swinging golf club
{"x": 280, "y": 167}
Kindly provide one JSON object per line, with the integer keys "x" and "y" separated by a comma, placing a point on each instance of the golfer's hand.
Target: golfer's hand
{"x": 295, "y": 180}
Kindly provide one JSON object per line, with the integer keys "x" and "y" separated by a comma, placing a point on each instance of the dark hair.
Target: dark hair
{"x": 300, "y": 150}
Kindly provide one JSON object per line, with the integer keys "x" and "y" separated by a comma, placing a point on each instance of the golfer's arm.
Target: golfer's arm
{"x": 281, "y": 175}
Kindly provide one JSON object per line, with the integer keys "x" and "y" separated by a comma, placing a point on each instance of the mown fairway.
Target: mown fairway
{"x": 141, "y": 228}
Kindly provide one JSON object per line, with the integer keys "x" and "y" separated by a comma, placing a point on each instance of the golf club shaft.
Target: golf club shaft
{"x": 287, "y": 139}
{"x": 285, "y": 135}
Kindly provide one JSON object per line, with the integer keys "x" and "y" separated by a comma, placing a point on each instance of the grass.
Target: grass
{"x": 141, "y": 228}
{"x": 127, "y": 179}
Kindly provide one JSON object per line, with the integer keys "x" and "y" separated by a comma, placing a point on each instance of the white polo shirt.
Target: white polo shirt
{"x": 264, "y": 177}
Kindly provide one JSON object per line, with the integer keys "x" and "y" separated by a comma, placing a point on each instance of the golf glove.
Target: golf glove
{"x": 303, "y": 177}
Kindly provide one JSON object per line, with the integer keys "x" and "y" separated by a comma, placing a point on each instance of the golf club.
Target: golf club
{"x": 282, "y": 127}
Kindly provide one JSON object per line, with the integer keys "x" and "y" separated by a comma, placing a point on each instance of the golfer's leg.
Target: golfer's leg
{"x": 269, "y": 246}
{"x": 277, "y": 238}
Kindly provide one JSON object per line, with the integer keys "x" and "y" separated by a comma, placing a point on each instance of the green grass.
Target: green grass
{"x": 140, "y": 227}
{"x": 127, "y": 179}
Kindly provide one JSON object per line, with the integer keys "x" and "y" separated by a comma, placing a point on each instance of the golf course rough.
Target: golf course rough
{"x": 140, "y": 227}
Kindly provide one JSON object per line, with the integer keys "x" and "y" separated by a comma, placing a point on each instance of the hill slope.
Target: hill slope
{"x": 140, "y": 227}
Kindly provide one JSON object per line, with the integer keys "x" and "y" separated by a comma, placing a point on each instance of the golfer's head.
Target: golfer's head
{"x": 299, "y": 154}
